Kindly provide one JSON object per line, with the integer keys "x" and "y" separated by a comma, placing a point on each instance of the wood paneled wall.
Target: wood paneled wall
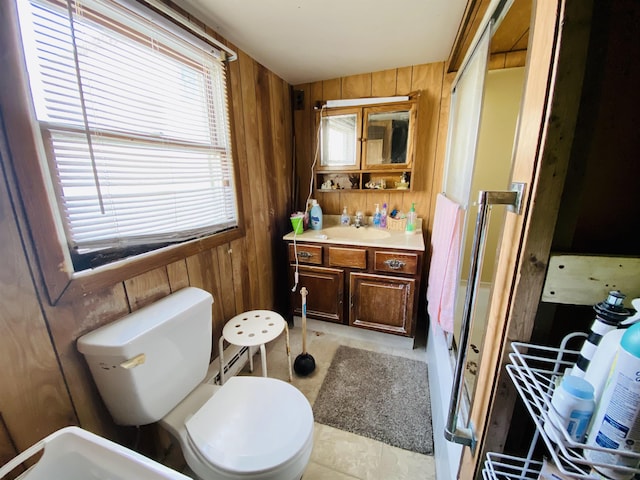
{"x": 433, "y": 85}
{"x": 45, "y": 383}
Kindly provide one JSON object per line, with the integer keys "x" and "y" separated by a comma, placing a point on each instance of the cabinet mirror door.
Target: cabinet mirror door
{"x": 340, "y": 144}
{"x": 387, "y": 136}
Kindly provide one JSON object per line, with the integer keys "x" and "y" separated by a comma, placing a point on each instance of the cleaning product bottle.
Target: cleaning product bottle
{"x": 609, "y": 314}
{"x": 344, "y": 218}
{"x": 572, "y": 406}
{"x": 412, "y": 219}
{"x": 376, "y": 216}
{"x": 616, "y": 423}
{"x": 600, "y": 365}
{"x": 315, "y": 216}
{"x": 383, "y": 216}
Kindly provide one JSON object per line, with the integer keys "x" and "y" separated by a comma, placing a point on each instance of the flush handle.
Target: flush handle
{"x": 134, "y": 362}
{"x": 394, "y": 264}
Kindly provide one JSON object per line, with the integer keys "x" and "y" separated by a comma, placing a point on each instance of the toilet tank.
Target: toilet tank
{"x": 145, "y": 363}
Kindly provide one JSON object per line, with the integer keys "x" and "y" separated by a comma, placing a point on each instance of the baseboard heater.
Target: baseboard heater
{"x": 235, "y": 359}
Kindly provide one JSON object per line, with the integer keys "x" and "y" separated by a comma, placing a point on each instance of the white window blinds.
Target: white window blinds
{"x": 134, "y": 118}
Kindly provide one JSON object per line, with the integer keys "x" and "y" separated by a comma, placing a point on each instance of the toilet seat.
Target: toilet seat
{"x": 252, "y": 424}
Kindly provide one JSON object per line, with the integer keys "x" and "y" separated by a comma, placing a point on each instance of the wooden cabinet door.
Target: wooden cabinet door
{"x": 326, "y": 292}
{"x": 382, "y": 303}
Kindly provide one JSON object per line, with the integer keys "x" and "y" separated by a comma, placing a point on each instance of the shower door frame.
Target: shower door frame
{"x": 556, "y": 56}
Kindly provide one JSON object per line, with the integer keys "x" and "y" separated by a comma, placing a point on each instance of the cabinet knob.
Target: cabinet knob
{"x": 305, "y": 254}
{"x": 394, "y": 264}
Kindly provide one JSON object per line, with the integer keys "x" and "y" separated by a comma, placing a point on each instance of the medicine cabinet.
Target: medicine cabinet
{"x": 367, "y": 147}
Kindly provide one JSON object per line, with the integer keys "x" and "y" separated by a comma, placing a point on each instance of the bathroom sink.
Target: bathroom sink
{"x": 76, "y": 454}
{"x": 353, "y": 233}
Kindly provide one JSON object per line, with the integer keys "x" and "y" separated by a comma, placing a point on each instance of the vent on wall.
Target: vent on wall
{"x": 235, "y": 359}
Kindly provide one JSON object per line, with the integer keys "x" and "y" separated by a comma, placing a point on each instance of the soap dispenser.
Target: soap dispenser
{"x": 345, "y": 220}
{"x": 412, "y": 220}
{"x": 376, "y": 216}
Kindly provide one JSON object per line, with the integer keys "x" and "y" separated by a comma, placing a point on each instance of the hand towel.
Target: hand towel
{"x": 446, "y": 242}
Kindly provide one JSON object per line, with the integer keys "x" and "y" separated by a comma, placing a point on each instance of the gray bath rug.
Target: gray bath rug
{"x": 379, "y": 396}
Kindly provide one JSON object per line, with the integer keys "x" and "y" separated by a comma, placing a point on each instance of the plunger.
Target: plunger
{"x": 304, "y": 363}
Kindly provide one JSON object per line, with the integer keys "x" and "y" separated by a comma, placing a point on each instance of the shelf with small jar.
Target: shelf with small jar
{"x": 536, "y": 371}
{"x": 387, "y": 180}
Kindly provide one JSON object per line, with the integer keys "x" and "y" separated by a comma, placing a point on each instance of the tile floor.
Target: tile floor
{"x": 339, "y": 455}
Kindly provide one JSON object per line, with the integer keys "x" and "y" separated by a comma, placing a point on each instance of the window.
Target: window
{"x": 134, "y": 121}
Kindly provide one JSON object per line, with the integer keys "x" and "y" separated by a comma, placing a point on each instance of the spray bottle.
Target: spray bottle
{"x": 376, "y": 216}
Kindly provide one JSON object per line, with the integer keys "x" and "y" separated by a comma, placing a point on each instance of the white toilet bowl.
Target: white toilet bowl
{"x": 252, "y": 428}
{"x": 149, "y": 367}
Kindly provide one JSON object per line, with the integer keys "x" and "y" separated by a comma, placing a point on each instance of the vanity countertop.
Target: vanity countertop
{"x": 333, "y": 232}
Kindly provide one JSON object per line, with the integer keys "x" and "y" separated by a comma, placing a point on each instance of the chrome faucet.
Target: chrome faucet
{"x": 359, "y": 219}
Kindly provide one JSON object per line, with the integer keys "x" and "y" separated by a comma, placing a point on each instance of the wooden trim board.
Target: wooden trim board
{"x": 587, "y": 279}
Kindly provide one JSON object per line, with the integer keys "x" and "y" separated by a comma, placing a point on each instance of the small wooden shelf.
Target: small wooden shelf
{"x": 359, "y": 179}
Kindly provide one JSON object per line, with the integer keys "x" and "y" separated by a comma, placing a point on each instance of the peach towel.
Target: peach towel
{"x": 446, "y": 240}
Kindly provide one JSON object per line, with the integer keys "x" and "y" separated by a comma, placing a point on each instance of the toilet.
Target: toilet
{"x": 150, "y": 366}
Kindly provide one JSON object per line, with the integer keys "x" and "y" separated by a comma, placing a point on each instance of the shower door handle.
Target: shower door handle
{"x": 513, "y": 199}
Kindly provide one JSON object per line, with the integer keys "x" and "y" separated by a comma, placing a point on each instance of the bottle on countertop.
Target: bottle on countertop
{"x": 345, "y": 219}
{"x": 412, "y": 220}
{"x": 315, "y": 215}
{"x": 376, "y": 216}
{"x": 383, "y": 216}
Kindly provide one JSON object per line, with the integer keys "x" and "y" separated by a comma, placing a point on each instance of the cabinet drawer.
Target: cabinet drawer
{"x": 395, "y": 262}
{"x": 306, "y": 254}
{"x": 347, "y": 257}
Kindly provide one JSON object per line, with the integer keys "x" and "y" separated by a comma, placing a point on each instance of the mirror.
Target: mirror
{"x": 340, "y": 145}
{"x": 387, "y": 137}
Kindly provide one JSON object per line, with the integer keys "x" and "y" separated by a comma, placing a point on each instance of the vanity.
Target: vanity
{"x": 362, "y": 277}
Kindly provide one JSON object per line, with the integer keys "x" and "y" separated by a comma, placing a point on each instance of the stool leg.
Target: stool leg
{"x": 286, "y": 331}
{"x": 221, "y": 356}
{"x": 250, "y": 359}
{"x": 263, "y": 356}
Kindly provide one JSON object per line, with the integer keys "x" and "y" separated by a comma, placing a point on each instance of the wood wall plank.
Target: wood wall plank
{"x": 178, "y": 275}
{"x": 33, "y": 399}
{"x": 356, "y": 86}
{"x": 383, "y": 84}
{"x": 403, "y": 80}
{"x": 227, "y": 294}
{"x": 147, "y": 288}
{"x": 331, "y": 89}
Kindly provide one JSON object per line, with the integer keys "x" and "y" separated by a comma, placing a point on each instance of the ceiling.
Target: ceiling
{"x": 309, "y": 40}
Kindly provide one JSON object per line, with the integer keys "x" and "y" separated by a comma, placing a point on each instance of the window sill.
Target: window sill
{"x": 81, "y": 284}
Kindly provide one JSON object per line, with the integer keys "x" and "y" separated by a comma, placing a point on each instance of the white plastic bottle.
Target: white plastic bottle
{"x": 345, "y": 220}
{"x": 315, "y": 215}
{"x": 616, "y": 423}
{"x": 571, "y": 409}
{"x": 600, "y": 365}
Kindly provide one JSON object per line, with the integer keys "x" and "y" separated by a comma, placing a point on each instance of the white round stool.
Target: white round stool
{"x": 253, "y": 328}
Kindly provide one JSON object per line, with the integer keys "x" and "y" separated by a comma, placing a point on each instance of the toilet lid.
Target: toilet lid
{"x": 251, "y": 424}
